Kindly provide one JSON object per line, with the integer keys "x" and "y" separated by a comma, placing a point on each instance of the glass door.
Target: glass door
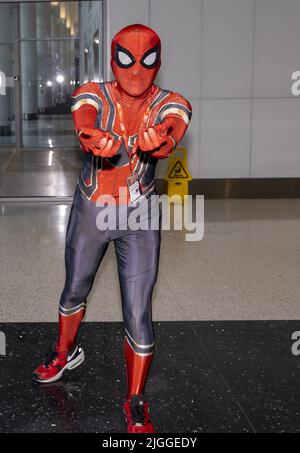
{"x": 49, "y": 72}
{"x": 47, "y": 49}
{"x": 7, "y": 57}
{"x": 9, "y": 121}
{"x": 7, "y": 116}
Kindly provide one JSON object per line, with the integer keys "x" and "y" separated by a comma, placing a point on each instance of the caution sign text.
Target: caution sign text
{"x": 178, "y": 171}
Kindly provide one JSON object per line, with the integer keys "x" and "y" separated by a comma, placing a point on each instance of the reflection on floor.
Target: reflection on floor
{"x": 47, "y": 129}
{"x": 246, "y": 267}
{"x": 8, "y": 139}
{"x": 207, "y": 377}
{"x": 54, "y": 130}
{"x": 31, "y": 173}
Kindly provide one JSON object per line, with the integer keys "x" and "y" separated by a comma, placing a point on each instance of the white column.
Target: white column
{"x": 64, "y": 56}
{"x": 6, "y": 67}
{"x": 55, "y": 50}
{"x": 43, "y": 11}
{"x": 28, "y": 60}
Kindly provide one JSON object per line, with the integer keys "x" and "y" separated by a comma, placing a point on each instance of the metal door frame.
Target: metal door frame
{"x": 17, "y": 87}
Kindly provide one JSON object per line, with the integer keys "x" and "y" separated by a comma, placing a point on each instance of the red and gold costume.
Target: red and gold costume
{"x": 96, "y": 104}
{"x": 124, "y": 127}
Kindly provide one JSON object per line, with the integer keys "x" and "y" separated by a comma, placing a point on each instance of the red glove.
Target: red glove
{"x": 98, "y": 142}
{"x": 152, "y": 138}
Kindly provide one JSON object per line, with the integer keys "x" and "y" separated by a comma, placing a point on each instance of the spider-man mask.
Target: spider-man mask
{"x": 135, "y": 58}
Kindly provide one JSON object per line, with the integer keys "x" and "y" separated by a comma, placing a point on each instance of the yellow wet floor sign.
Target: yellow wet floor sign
{"x": 178, "y": 175}
{"x": 178, "y": 171}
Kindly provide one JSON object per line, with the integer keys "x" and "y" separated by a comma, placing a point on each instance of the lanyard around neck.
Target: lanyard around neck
{"x": 122, "y": 125}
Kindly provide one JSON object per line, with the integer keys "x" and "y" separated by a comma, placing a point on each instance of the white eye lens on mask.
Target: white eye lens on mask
{"x": 124, "y": 58}
{"x": 150, "y": 59}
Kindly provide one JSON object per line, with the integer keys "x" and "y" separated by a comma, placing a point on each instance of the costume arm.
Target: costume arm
{"x": 179, "y": 113}
{"x": 86, "y": 104}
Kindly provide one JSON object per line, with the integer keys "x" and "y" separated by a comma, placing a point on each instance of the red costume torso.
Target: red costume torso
{"x": 95, "y": 105}
{"x": 142, "y": 122}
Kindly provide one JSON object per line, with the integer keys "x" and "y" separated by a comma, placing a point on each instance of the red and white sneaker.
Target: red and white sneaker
{"x": 56, "y": 363}
{"x": 136, "y": 412}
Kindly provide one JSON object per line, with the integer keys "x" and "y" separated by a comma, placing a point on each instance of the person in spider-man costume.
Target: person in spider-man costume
{"x": 124, "y": 127}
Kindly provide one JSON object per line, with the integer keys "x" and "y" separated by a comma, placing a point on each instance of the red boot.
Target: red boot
{"x": 136, "y": 412}
{"x": 56, "y": 363}
{"x": 65, "y": 356}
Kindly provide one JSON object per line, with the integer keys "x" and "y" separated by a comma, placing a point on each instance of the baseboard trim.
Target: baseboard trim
{"x": 241, "y": 188}
{"x": 210, "y": 188}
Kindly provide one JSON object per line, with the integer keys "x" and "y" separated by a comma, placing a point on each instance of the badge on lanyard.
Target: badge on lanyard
{"x": 133, "y": 184}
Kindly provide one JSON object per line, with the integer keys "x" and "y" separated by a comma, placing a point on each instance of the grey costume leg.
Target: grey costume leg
{"x": 138, "y": 259}
{"x": 83, "y": 255}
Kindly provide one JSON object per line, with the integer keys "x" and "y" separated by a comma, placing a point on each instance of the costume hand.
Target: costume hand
{"x": 98, "y": 142}
{"x": 152, "y": 138}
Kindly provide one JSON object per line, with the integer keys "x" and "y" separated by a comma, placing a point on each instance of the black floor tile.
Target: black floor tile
{"x": 185, "y": 391}
{"x": 256, "y": 362}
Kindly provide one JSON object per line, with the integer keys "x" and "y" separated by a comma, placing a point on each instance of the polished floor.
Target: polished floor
{"x": 39, "y": 173}
{"x": 246, "y": 267}
{"x": 207, "y": 377}
{"x": 48, "y": 129}
{"x": 45, "y": 130}
{"x": 41, "y": 168}
{"x": 225, "y": 309}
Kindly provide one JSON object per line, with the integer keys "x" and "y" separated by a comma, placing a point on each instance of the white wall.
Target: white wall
{"x": 233, "y": 60}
